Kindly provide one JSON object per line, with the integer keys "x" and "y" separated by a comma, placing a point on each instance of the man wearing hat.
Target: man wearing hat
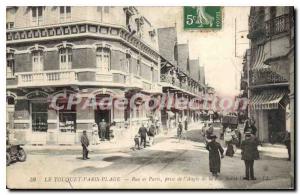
{"x": 143, "y": 133}
{"x": 85, "y": 144}
{"x": 215, "y": 150}
{"x": 249, "y": 154}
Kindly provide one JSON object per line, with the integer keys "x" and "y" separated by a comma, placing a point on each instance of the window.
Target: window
{"x": 106, "y": 9}
{"x": 37, "y": 61}
{"x": 152, "y": 75}
{"x": 65, "y": 13}
{"x": 10, "y": 65}
{"x": 39, "y": 116}
{"x": 67, "y": 118}
{"x": 65, "y": 58}
{"x": 138, "y": 67}
{"x": 127, "y": 63}
{"x": 10, "y": 25}
{"x": 103, "y": 59}
{"x": 37, "y": 15}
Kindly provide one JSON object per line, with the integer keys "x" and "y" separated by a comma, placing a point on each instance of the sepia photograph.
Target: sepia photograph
{"x": 135, "y": 97}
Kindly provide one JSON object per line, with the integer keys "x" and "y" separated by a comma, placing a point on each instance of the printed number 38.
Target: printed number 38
{"x": 189, "y": 19}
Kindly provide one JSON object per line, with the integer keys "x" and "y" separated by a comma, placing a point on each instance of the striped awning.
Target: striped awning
{"x": 269, "y": 100}
{"x": 259, "y": 64}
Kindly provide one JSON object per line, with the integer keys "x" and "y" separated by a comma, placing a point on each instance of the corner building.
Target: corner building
{"x": 103, "y": 51}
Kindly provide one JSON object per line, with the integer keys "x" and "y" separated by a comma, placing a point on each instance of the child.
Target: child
{"x": 215, "y": 150}
{"x": 137, "y": 141}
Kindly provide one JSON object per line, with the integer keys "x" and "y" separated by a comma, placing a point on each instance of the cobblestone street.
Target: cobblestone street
{"x": 168, "y": 163}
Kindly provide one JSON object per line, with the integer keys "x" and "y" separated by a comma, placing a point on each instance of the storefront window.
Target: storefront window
{"x": 67, "y": 118}
{"x": 39, "y": 115}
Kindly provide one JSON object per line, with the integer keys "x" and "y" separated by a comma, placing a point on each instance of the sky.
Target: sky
{"x": 215, "y": 49}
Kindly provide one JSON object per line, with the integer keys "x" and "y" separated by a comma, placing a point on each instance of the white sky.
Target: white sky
{"x": 214, "y": 49}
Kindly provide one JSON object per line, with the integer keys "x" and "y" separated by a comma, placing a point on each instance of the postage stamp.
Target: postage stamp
{"x": 202, "y": 17}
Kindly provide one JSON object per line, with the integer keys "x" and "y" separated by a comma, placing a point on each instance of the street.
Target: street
{"x": 167, "y": 164}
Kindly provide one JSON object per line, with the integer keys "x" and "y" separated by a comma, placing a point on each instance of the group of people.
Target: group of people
{"x": 249, "y": 150}
{"x": 149, "y": 132}
{"x": 101, "y": 132}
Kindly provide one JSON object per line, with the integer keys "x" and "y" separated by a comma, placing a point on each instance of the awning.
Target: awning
{"x": 268, "y": 100}
{"x": 259, "y": 64}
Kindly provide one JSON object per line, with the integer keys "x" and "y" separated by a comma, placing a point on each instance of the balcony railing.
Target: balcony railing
{"x": 104, "y": 77}
{"x": 278, "y": 25}
{"x": 47, "y": 78}
{"x": 133, "y": 81}
{"x": 268, "y": 77}
{"x": 176, "y": 82}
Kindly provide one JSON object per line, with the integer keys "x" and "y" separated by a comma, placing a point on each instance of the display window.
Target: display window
{"x": 67, "y": 118}
{"x": 39, "y": 116}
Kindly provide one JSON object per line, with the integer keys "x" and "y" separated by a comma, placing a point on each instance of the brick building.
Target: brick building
{"x": 108, "y": 52}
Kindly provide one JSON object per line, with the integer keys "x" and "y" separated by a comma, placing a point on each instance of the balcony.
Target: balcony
{"x": 266, "y": 78}
{"x": 151, "y": 87}
{"x": 278, "y": 25}
{"x": 78, "y": 77}
{"x": 169, "y": 79}
{"x": 134, "y": 81}
{"x": 45, "y": 78}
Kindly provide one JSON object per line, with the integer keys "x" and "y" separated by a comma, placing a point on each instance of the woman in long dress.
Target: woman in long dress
{"x": 228, "y": 138}
{"x": 95, "y": 134}
{"x": 215, "y": 154}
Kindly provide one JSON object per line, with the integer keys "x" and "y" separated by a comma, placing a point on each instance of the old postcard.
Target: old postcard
{"x": 199, "y": 97}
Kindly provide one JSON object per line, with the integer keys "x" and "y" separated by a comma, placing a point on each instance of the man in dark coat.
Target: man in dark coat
{"x": 102, "y": 129}
{"x": 249, "y": 154}
{"x": 215, "y": 150}
{"x": 85, "y": 144}
{"x": 143, "y": 134}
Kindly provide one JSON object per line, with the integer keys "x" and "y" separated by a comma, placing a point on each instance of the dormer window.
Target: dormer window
{"x": 65, "y": 13}
{"x": 37, "y": 15}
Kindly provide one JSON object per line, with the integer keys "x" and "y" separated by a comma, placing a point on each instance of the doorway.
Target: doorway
{"x": 102, "y": 114}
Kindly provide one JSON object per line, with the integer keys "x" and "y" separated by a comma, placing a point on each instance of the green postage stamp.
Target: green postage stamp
{"x": 203, "y": 17}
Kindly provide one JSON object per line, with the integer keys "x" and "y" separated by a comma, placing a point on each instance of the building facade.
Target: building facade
{"x": 270, "y": 63}
{"x": 106, "y": 52}
{"x": 181, "y": 77}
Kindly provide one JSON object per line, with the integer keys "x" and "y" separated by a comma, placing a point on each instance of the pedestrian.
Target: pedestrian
{"x": 253, "y": 127}
{"x": 137, "y": 142}
{"x": 112, "y": 131}
{"x": 102, "y": 129}
{"x": 179, "y": 131}
{"x": 249, "y": 154}
{"x": 151, "y": 134}
{"x": 229, "y": 136}
{"x": 287, "y": 143}
{"x": 215, "y": 151}
{"x": 208, "y": 133}
{"x": 85, "y": 144}
{"x": 95, "y": 135}
{"x": 186, "y": 124}
{"x": 143, "y": 133}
